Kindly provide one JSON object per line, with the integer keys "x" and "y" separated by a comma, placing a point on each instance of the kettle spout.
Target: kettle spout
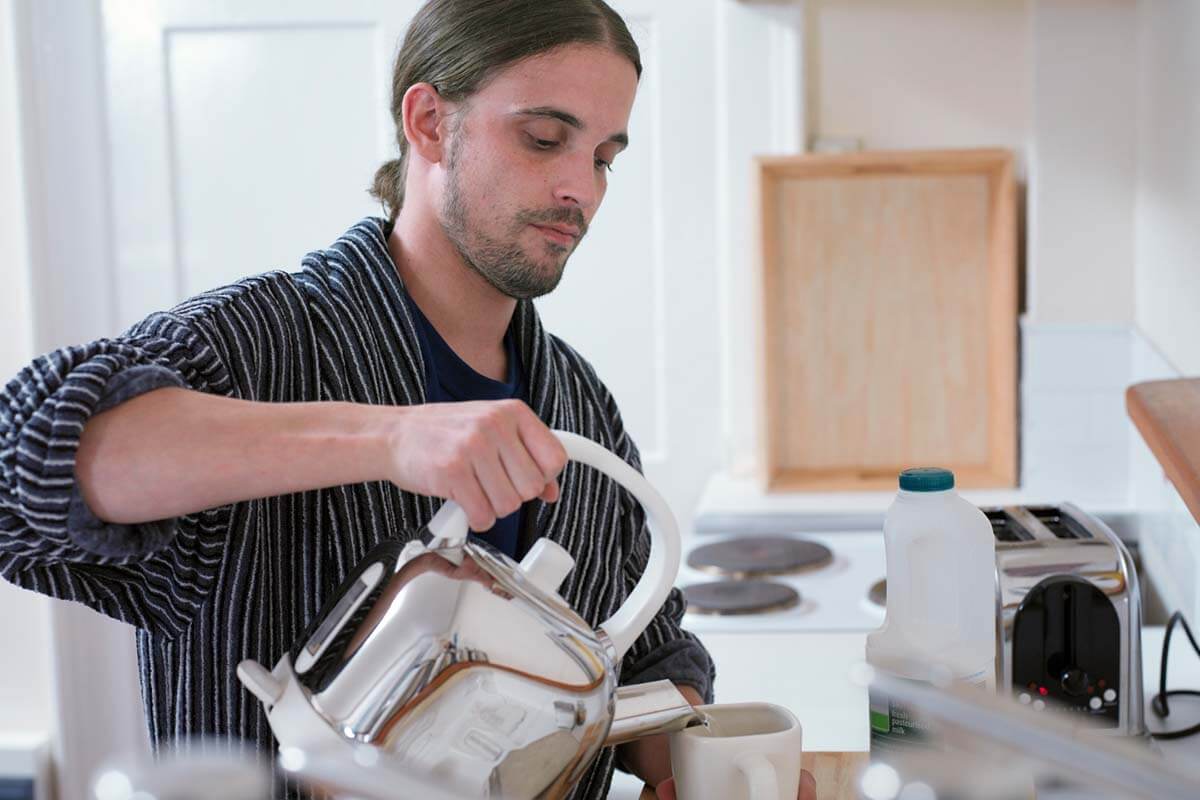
{"x": 646, "y": 709}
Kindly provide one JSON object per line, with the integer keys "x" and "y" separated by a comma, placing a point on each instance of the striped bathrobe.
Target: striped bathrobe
{"x": 210, "y": 589}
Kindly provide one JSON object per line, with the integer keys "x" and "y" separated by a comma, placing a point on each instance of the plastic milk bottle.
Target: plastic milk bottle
{"x": 941, "y": 597}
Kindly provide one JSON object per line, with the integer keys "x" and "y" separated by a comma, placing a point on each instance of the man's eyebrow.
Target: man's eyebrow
{"x": 620, "y": 138}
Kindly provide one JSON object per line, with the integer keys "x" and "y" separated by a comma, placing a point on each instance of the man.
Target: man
{"x": 212, "y": 474}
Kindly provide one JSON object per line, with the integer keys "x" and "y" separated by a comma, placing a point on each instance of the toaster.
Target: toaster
{"x": 1069, "y": 618}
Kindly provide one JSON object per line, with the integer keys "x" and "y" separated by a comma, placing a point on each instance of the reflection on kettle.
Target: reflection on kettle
{"x": 466, "y": 669}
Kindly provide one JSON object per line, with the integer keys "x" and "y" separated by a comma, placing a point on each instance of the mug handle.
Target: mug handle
{"x": 760, "y": 775}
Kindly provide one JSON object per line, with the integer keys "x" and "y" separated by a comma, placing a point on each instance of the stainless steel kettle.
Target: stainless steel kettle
{"x": 466, "y": 670}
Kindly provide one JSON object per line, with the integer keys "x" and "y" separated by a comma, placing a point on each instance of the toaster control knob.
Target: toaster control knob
{"x": 1094, "y": 704}
{"x": 1074, "y": 681}
{"x": 1110, "y": 695}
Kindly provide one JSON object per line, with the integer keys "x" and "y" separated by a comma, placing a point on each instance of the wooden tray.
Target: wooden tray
{"x": 890, "y": 312}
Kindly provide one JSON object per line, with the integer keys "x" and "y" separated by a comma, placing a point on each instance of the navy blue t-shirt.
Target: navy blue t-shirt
{"x": 449, "y": 379}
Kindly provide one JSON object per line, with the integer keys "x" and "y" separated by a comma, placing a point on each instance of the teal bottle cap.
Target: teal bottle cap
{"x": 926, "y": 479}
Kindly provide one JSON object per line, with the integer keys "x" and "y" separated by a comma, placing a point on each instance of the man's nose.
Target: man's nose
{"x": 577, "y": 184}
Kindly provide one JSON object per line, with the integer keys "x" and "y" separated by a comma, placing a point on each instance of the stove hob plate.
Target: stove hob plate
{"x": 726, "y": 598}
{"x": 755, "y": 556}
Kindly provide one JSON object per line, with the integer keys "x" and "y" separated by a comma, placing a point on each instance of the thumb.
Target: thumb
{"x": 665, "y": 790}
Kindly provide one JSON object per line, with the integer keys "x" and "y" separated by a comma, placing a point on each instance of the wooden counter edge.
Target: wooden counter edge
{"x": 1167, "y": 415}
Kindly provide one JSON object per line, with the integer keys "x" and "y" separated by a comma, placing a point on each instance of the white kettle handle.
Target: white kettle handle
{"x": 626, "y": 624}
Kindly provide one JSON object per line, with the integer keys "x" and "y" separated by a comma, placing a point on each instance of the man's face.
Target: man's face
{"x": 528, "y": 164}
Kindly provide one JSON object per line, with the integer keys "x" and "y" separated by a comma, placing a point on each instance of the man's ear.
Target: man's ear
{"x": 424, "y": 113}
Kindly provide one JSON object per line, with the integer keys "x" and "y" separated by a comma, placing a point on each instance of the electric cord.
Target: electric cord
{"x": 1159, "y": 703}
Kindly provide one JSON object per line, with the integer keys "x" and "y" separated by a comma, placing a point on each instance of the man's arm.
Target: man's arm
{"x": 102, "y": 445}
{"x": 174, "y": 451}
{"x": 102, "y": 449}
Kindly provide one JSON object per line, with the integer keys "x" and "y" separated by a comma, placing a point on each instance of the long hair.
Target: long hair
{"x": 457, "y": 45}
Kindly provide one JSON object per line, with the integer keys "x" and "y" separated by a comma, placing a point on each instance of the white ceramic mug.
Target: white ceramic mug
{"x": 748, "y": 751}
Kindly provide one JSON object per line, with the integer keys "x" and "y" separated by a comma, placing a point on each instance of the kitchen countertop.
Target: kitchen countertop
{"x": 1167, "y": 414}
{"x": 1183, "y": 672}
{"x": 807, "y": 672}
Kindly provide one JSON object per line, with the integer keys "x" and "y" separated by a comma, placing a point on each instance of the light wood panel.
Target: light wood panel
{"x": 1167, "y": 414}
{"x": 890, "y": 318}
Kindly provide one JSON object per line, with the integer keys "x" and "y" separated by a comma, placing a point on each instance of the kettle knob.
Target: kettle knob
{"x": 546, "y": 564}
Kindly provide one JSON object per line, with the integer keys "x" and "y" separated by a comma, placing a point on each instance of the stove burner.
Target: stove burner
{"x": 725, "y": 598}
{"x": 755, "y": 556}
{"x": 877, "y": 594}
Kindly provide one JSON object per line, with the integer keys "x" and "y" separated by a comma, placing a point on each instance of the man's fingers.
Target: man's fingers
{"x": 522, "y": 472}
{"x": 543, "y": 446}
{"x": 469, "y": 494}
{"x": 808, "y": 786}
{"x": 501, "y": 494}
{"x": 550, "y": 493}
{"x": 666, "y": 790}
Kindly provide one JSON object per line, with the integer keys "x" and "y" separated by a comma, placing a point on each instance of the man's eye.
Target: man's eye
{"x": 602, "y": 164}
{"x": 544, "y": 144}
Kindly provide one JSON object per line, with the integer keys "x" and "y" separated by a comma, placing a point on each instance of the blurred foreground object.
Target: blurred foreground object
{"x": 985, "y": 747}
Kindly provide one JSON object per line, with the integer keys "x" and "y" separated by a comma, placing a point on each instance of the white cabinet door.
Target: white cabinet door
{"x": 243, "y": 135}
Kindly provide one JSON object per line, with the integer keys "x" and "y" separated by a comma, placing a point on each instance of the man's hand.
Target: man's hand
{"x": 808, "y": 788}
{"x": 489, "y": 456}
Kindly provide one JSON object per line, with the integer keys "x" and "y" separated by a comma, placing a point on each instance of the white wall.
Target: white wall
{"x": 25, "y": 693}
{"x": 920, "y": 73}
{"x": 1082, "y": 163}
{"x": 1167, "y": 274}
{"x": 1050, "y": 79}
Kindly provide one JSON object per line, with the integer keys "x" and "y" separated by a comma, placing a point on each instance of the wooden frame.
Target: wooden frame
{"x": 889, "y": 300}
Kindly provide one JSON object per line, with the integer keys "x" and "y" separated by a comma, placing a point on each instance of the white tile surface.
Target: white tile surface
{"x": 1107, "y": 418}
{"x": 1075, "y": 432}
{"x": 1148, "y": 363}
{"x": 1075, "y": 357}
{"x": 1090, "y": 475}
{"x": 1058, "y": 416}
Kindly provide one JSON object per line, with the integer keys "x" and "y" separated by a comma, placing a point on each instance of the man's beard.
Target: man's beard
{"x": 503, "y": 263}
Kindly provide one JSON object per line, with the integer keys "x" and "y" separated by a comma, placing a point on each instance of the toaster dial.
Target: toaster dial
{"x": 1066, "y": 649}
{"x": 1075, "y": 682}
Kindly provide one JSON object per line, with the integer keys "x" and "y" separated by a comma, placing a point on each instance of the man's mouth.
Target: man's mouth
{"x": 560, "y": 234}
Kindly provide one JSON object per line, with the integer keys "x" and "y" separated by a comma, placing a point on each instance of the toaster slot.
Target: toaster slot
{"x": 1005, "y": 528}
{"x": 1060, "y": 524}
